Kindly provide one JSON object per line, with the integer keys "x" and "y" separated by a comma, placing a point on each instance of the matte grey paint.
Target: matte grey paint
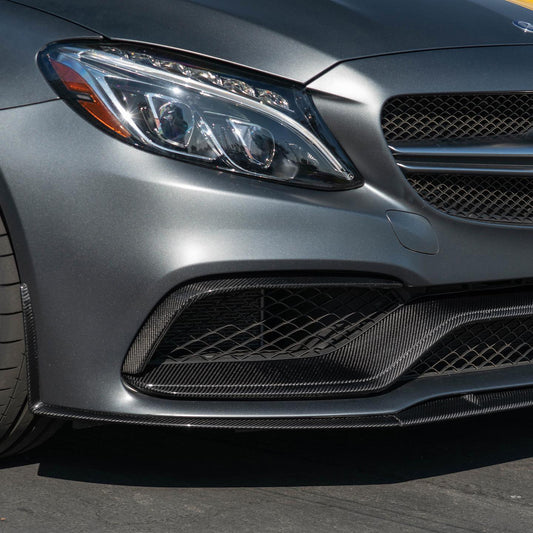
{"x": 414, "y": 232}
{"x": 298, "y": 39}
{"x": 24, "y": 32}
{"x": 102, "y": 231}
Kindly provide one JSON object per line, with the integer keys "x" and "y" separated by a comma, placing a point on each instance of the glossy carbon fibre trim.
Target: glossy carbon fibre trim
{"x": 467, "y": 405}
{"x": 31, "y": 344}
{"x": 371, "y": 363}
{"x": 169, "y": 309}
{"x": 447, "y": 408}
{"x": 272, "y": 324}
{"x": 475, "y": 347}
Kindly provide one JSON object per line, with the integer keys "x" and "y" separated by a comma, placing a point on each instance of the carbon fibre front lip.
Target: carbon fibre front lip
{"x": 448, "y": 408}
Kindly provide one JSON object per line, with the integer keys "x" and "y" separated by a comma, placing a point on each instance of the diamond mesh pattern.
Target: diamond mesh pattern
{"x": 479, "y": 197}
{"x": 325, "y": 341}
{"x": 481, "y": 346}
{"x": 267, "y": 324}
{"x": 456, "y": 116}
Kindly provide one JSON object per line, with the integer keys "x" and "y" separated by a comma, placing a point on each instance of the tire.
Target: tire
{"x": 19, "y": 429}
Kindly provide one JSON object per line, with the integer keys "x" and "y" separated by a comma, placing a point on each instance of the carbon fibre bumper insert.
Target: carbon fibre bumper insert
{"x": 487, "y": 345}
{"x": 369, "y": 339}
{"x": 246, "y": 322}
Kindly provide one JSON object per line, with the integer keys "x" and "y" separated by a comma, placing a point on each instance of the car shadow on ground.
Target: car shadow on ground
{"x": 140, "y": 456}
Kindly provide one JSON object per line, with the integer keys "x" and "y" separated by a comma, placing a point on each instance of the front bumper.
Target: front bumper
{"x": 102, "y": 232}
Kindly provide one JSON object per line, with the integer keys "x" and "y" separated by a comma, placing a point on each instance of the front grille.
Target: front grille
{"x": 257, "y": 340}
{"x": 457, "y": 116}
{"x": 481, "y": 346}
{"x": 268, "y": 324}
{"x": 487, "y": 134}
{"x": 479, "y": 197}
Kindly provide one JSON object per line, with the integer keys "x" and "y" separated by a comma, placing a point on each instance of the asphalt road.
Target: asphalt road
{"x": 471, "y": 475}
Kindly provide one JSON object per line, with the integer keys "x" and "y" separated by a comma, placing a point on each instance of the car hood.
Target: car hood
{"x": 298, "y": 39}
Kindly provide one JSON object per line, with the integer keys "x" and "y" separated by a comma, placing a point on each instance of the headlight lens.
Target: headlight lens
{"x": 211, "y": 116}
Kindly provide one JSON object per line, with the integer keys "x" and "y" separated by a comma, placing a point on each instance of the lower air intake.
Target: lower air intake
{"x": 294, "y": 339}
{"x": 482, "y": 346}
{"x": 272, "y": 324}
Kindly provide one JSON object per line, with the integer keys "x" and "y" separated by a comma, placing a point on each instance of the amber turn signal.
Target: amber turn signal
{"x": 87, "y": 98}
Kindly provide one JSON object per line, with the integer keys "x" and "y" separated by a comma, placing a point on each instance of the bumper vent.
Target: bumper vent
{"x": 486, "y": 198}
{"x": 457, "y": 116}
{"x": 482, "y": 346}
{"x": 266, "y": 339}
{"x": 272, "y": 324}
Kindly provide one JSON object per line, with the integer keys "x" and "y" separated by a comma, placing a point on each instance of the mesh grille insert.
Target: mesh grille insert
{"x": 456, "y": 116}
{"x": 266, "y": 324}
{"x": 481, "y": 346}
{"x": 479, "y": 197}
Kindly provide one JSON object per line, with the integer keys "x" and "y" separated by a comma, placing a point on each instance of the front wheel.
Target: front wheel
{"x": 20, "y": 430}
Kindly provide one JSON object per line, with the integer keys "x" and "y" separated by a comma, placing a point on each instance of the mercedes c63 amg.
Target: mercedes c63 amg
{"x": 264, "y": 214}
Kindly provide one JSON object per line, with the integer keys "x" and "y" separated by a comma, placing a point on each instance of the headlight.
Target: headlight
{"x": 208, "y": 115}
